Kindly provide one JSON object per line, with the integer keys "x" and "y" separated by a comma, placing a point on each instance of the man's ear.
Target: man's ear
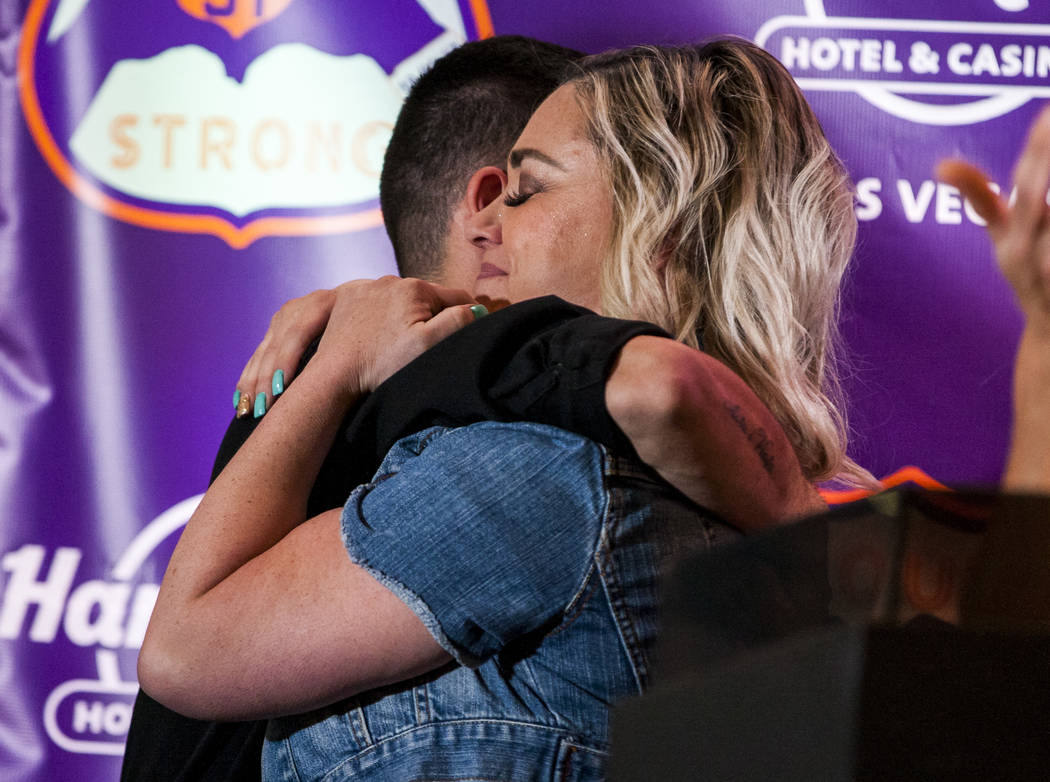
{"x": 484, "y": 187}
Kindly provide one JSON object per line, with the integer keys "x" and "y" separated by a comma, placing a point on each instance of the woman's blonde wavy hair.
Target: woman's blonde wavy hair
{"x": 733, "y": 223}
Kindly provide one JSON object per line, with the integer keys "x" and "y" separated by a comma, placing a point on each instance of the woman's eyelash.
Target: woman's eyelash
{"x": 516, "y": 199}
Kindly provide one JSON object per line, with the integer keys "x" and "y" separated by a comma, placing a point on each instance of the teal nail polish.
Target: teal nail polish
{"x": 479, "y": 310}
{"x": 260, "y": 405}
{"x": 236, "y": 398}
{"x": 277, "y": 384}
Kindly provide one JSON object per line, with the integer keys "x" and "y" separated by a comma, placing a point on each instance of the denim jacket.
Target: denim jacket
{"x": 533, "y": 556}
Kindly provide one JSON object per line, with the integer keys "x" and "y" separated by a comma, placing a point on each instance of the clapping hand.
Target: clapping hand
{"x": 1020, "y": 232}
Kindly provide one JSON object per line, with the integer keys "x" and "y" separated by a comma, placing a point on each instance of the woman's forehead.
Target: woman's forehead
{"x": 557, "y": 124}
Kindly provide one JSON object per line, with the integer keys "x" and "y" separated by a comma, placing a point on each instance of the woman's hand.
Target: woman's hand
{"x": 395, "y": 312}
{"x": 274, "y": 363}
{"x": 1021, "y": 235}
{"x": 378, "y": 326}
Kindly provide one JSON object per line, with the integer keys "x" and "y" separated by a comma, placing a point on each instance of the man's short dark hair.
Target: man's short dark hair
{"x": 463, "y": 113}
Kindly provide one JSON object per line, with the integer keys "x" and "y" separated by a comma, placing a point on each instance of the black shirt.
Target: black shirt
{"x": 542, "y": 360}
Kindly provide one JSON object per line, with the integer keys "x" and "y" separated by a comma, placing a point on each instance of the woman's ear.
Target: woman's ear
{"x": 485, "y": 186}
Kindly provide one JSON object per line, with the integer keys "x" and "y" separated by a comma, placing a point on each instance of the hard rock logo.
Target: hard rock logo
{"x": 42, "y": 600}
{"x": 237, "y": 118}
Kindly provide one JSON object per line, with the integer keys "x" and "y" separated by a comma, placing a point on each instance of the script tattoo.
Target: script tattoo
{"x": 757, "y": 436}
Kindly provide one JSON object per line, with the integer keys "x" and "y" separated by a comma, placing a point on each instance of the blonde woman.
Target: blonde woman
{"x": 474, "y": 611}
{"x": 731, "y": 221}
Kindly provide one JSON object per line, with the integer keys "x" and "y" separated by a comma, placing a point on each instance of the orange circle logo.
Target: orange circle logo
{"x": 236, "y": 118}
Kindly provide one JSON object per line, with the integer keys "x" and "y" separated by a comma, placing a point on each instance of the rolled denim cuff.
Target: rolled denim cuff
{"x": 416, "y": 604}
{"x": 485, "y": 532}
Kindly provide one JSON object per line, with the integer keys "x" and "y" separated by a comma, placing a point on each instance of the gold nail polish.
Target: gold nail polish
{"x": 244, "y": 404}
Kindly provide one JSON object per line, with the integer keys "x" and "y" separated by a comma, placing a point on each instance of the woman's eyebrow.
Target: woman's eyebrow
{"x": 518, "y": 155}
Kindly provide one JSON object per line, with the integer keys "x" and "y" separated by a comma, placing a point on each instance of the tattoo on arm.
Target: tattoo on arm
{"x": 756, "y": 436}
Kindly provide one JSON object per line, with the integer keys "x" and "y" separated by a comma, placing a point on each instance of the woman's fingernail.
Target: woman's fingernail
{"x": 479, "y": 310}
{"x": 244, "y": 405}
{"x": 236, "y": 398}
{"x": 277, "y": 384}
{"x": 260, "y": 405}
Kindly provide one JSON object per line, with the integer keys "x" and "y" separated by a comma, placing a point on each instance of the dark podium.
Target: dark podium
{"x": 903, "y": 637}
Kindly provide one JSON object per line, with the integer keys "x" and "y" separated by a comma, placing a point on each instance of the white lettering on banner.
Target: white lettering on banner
{"x": 918, "y": 202}
{"x": 868, "y": 55}
{"x": 95, "y": 613}
{"x": 915, "y": 204}
{"x": 105, "y": 629}
{"x": 948, "y": 205}
{"x": 1009, "y": 61}
{"x": 99, "y": 717}
{"x": 24, "y": 589}
{"x": 138, "y": 617}
{"x": 869, "y": 205}
{"x": 89, "y": 716}
{"x": 893, "y": 63}
{"x": 826, "y": 54}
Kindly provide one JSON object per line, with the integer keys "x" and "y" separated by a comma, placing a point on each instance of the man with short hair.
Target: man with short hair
{"x": 461, "y": 115}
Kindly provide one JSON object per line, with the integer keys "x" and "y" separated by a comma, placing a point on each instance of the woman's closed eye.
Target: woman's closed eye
{"x": 516, "y": 199}
{"x": 528, "y": 186}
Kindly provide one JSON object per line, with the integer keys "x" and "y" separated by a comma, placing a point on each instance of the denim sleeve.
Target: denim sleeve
{"x": 487, "y": 533}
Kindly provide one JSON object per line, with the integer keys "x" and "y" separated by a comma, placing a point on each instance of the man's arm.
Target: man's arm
{"x": 686, "y": 414}
{"x": 628, "y": 385}
{"x": 695, "y": 422}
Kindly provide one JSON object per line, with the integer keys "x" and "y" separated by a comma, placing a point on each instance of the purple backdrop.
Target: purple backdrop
{"x": 169, "y": 175}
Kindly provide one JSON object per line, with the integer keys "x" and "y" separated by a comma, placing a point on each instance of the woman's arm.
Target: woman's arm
{"x": 695, "y": 422}
{"x": 1021, "y": 235}
{"x": 251, "y": 581}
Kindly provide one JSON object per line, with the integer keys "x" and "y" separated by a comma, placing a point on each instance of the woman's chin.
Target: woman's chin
{"x": 493, "y": 289}
{"x": 492, "y": 303}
